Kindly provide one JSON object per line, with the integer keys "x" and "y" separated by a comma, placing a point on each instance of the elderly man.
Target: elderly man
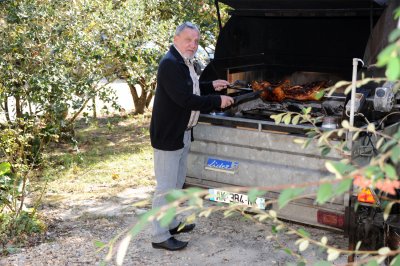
{"x": 179, "y": 98}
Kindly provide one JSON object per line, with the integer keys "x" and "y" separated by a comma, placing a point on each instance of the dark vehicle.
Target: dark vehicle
{"x": 299, "y": 42}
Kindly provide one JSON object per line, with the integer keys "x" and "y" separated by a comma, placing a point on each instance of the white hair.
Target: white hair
{"x": 185, "y": 25}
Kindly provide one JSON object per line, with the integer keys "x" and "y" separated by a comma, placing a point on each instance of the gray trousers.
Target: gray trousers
{"x": 170, "y": 172}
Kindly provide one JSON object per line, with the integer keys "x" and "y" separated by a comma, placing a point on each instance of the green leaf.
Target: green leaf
{"x": 330, "y": 166}
{"x": 193, "y": 190}
{"x": 385, "y": 55}
{"x": 396, "y": 13}
{"x": 355, "y": 136}
{"x": 320, "y": 94}
{"x": 305, "y": 145}
{"x": 395, "y": 154}
{"x": 99, "y": 244}
{"x": 143, "y": 220}
{"x": 295, "y": 119}
{"x": 5, "y": 168}
{"x": 345, "y": 124}
{"x": 273, "y": 213}
{"x": 393, "y": 69}
{"x": 397, "y": 135}
{"x": 190, "y": 219}
{"x": 333, "y": 254}
{"x": 306, "y": 110}
{"x": 325, "y": 192}
{"x": 287, "y": 195}
{"x": 304, "y": 245}
{"x": 372, "y": 263}
{"x": 396, "y": 261}
{"x": 343, "y": 186}
{"x": 322, "y": 263}
{"x": 273, "y": 229}
{"x": 325, "y": 151}
{"x": 286, "y": 119}
{"x": 174, "y": 195}
{"x": 339, "y": 168}
{"x": 122, "y": 249}
{"x": 277, "y": 117}
{"x": 288, "y": 251}
{"x": 371, "y": 170}
{"x": 311, "y": 134}
{"x": 383, "y": 251}
{"x": 303, "y": 233}
{"x": 388, "y": 145}
{"x": 390, "y": 171}
{"x": 371, "y": 128}
{"x": 299, "y": 141}
{"x": 358, "y": 245}
{"x": 380, "y": 142}
{"x": 254, "y": 193}
{"x": 394, "y": 35}
{"x": 388, "y": 208}
{"x": 207, "y": 213}
{"x": 168, "y": 217}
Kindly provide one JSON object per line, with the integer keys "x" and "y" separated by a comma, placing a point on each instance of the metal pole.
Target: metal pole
{"x": 350, "y": 213}
{"x": 353, "y": 100}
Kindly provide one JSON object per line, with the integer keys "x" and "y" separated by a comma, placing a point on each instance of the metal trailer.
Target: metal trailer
{"x": 263, "y": 157}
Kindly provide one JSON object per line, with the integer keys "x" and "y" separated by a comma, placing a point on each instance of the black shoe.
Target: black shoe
{"x": 185, "y": 229}
{"x": 171, "y": 244}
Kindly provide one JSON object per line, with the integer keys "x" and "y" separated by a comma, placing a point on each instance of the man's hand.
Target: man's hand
{"x": 220, "y": 84}
{"x": 226, "y": 101}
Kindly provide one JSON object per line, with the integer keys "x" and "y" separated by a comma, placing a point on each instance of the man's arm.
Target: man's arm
{"x": 179, "y": 88}
{"x": 210, "y": 87}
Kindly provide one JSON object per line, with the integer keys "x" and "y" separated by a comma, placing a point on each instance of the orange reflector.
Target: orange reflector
{"x": 365, "y": 196}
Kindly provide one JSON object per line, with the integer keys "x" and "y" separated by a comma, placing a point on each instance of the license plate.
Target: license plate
{"x": 231, "y": 197}
{"x": 219, "y": 165}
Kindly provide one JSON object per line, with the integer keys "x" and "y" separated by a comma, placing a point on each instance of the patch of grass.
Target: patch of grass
{"x": 110, "y": 156}
{"x": 15, "y": 232}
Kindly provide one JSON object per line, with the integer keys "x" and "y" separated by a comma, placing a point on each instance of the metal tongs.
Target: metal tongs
{"x": 246, "y": 96}
{"x": 240, "y": 85}
{"x": 244, "y": 86}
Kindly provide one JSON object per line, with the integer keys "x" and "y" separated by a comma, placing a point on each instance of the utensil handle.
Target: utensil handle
{"x": 246, "y": 96}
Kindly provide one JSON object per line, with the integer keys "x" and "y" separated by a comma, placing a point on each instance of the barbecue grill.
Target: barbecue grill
{"x": 299, "y": 41}
{"x": 302, "y": 42}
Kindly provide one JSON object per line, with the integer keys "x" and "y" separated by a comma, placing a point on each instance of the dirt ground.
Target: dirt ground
{"x": 76, "y": 224}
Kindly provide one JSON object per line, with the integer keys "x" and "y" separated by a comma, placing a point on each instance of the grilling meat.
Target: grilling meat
{"x": 283, "y": 91}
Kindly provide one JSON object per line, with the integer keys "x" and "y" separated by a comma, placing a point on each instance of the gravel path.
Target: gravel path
{"x": 215, "y": 240}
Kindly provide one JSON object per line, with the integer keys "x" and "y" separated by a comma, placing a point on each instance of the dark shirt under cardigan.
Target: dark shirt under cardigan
{"x": 174, "y": 100}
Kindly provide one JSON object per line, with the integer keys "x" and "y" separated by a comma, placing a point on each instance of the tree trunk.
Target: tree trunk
{"x": 94, "y": 108}
{"x": 18, "y": 107}
{"x": 139, "y": 102}
{"x": 7, "y": 112}
{"x": 150, "y": 94}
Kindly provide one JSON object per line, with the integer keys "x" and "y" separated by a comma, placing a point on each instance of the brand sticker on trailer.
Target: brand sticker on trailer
{"x": 214, "y": 164}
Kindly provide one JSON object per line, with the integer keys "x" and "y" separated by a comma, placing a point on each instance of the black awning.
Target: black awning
{"x": 281, "y": 36}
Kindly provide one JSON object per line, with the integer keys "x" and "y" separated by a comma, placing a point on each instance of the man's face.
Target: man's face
{"x": 187, "y": 42}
